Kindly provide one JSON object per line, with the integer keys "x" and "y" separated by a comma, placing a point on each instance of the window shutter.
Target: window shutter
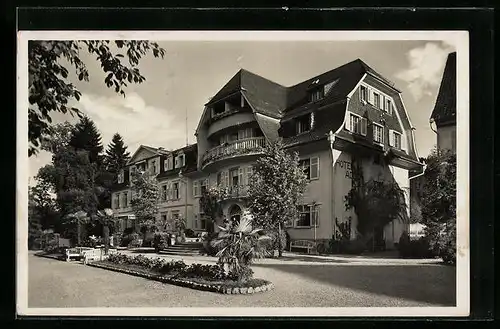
{"x": 347, "y": 124}
{"x": 248, "y": 174}
{"x": 370, "y": 96}
{"x": 391, "y": 138}
{"x": 226, "y": 178}
{"x": 363, "y": 126}
{"x": 404, "y": 143}
{"x": 314, "y": 170}
{"x": 242, "y": 101}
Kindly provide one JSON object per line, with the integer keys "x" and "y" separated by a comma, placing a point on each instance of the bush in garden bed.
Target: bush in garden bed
{"x": 161, "y": 240}
{"x": 225, "y": 285}
{"x": 177, "y": 268}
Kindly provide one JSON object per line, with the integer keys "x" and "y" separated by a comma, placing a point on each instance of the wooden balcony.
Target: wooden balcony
{"x": 242, "y": 147}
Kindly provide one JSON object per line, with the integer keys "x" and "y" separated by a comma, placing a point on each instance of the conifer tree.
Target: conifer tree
{"x": 116, "y": 156}
{"x": 87, "y": 137}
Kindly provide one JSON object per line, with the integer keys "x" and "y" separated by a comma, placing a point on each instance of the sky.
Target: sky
{"x": 154, "y": 113}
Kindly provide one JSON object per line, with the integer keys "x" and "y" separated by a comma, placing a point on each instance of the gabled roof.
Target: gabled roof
{"x": 445, "y": 107}
{"x": 265, "y": 96}
{"x": 153, "y": 150}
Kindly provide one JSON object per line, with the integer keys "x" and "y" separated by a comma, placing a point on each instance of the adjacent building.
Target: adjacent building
{"x": 348, "y": 118}
{"x": 443, "y": 116}
{"x": 445, "y": 109}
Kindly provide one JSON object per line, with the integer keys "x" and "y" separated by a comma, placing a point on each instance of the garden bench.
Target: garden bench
{"x": 95, "y": 254}
{"x": 75, "y": 252}
{"x": 303, "y": 244}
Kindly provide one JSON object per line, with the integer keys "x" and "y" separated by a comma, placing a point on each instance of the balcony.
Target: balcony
{"x": 242, "y": 147}
{"x": 235, "y": 192}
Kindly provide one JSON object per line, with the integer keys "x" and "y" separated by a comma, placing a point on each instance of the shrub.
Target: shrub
{"x": 134, "y": 240}
{"x": 352, "y": 247}
{"x": 414, "y": 248}
{"x": 189, "y": 233}
{"x": 208, "y": 246}
{"x": 442, "y": 239}
{"x": 161, "y": 240}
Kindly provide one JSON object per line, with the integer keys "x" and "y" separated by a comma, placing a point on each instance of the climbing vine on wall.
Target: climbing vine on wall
{"x": 376, "y": 203}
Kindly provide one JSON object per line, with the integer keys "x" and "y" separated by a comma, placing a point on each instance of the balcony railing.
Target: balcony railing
{"x": 240, "y": 147}
{"x": 233, "y": 192}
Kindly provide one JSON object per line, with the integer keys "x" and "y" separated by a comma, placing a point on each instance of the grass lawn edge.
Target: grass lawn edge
{"x": 185, "y": 282}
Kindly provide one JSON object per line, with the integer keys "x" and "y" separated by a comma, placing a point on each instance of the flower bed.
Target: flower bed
{"x": 196, "y": 276}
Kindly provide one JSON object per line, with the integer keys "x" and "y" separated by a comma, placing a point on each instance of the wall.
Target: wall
{"x": 446, "y": 138}
{"x": 319, "y": 191}
{"x": 230, "y": 121}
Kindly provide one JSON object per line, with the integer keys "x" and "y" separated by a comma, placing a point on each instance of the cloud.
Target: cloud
{"x": 426, "y": 65}
{"x": 136, "y": 121}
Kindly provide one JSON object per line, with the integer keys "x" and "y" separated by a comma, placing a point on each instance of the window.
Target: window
{"x": 203, "y": 186}
{"x": 388, "y": 106}
{"x": 376, "y": 100}
{"x": 180, "y": 161}
{"x": 317, "y": 94}
{"x": 196, "y": 191}
{"x": 141, "y": 166}
{"x": 121, "y": 176}
{"x": 175, "y": 191}
{"x": 363, "y": 94}
{"x": 246, "y": 133}
{"x": 356, "y": 124}
{"x": 125, "y": 199}
{"x": 310, "y": 167}
{"x": 164, "y": 192}
{"x": 168, "y": 164}
{"x": 308, "y": 216}
{"x": 378, "y": 133}
{"x": 303, "y": 124}
{"x": 234, "y": 177}
{"x": 395, "y": 139}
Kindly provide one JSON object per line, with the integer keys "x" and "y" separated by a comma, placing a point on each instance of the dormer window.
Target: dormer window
{"x": 168, "y": 164}
{"x": 317, "y": 94}
{"x": 141, "y": 166}
{"x": 180, "y": 161}
{"x": 303, "y": 123}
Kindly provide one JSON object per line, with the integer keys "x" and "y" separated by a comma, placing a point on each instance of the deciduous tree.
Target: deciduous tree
{"x": 276, "y": 188}
{"x": 145, "y": 198}
{"x": 49, "y": 65}
{"x": 439, "y": 207}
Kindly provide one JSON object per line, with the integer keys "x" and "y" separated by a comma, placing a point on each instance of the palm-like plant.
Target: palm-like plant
{"x": 79, "y": 218}
{"x": 239, "y": 245}
{"x": 107, "y": 219}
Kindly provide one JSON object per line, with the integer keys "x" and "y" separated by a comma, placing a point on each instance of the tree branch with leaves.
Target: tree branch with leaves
{"x": 50, "y": 89}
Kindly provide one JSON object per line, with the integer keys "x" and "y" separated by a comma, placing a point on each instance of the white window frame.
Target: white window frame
{"x": 376, "y": 125}
{"x": 313, "y": 216}
{"x": 298, "y": 127}
{"x": 180, "y": 161}
{"x": 168, "y": 163}
{"x": 383, "y": 98}
{"x": 363, "y": 123}
{"x": 178, "y": 196}
{"x": 376, "y": 96}
{"x": 392, "y": 139}
{"x": 311, "y": 160}
{"x": 363, "y": 97}
{"x": 196, "y": 188}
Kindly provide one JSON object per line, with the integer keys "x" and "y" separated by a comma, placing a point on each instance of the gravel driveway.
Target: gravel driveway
{"x": 55, "y": 283}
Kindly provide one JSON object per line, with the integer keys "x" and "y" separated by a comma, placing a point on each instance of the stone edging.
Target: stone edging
{"x": 189, "y": 284}
{"x": 50, "y": 256}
